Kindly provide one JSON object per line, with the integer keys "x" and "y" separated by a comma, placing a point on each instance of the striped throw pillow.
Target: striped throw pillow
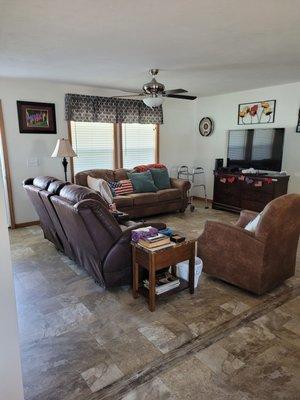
{"x": 121, "y": 187}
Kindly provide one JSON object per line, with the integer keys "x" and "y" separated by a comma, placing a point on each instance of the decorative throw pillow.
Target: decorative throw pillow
{"x": 101, "y": 186}
{"x": 161, "y": 178}
{"x": 142, "y": 182}
{"x": 146, "y": 167}
{"x": 252, "y": 225}
{"x": 121, "y": 187}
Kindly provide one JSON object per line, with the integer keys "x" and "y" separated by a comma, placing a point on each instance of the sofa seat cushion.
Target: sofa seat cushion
{"x": 123, "y": 201}
{"x": 168, "y": 194}
{"x": 140, "y": 199}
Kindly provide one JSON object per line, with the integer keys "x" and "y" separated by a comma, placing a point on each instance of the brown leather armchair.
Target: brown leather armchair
{"x": 257, "y": 261}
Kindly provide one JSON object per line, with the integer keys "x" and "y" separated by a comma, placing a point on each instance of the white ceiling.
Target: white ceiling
{"x": 204, "y": 46}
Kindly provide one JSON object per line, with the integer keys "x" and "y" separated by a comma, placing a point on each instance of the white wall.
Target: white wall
{"x": 177, "y": 134}
{"x": 189, "y": 145}
{"x": 180, "y": 141}
{"x": 22, "y": 147}
{"x": 10, "y": 367}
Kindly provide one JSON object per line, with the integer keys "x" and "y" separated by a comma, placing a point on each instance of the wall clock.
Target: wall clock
{"x": 206, "y": 126}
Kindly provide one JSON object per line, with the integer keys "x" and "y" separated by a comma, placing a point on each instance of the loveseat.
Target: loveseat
{"x": 142, "y": 204}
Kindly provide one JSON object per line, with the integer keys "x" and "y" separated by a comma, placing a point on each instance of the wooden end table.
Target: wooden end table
{"x": 155, "y": 260}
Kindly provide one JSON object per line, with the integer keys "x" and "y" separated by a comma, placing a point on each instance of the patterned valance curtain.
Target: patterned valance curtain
{"x": 85, "y": 108}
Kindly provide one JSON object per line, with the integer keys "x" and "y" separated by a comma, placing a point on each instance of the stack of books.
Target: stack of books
{"x": 164, "y": 282}
{"x": 156, "y": 242}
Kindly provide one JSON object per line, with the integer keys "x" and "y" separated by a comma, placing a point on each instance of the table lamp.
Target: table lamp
{"x": 64, "y": 149}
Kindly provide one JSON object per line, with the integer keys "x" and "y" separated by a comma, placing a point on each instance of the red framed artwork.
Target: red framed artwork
{"x": 36, "y": 117}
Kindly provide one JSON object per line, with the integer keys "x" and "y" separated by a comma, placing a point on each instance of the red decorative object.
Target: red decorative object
{"x": 231, "y": 179}
{"x": 143, "y": 168}
{"x": 269, "y": 181}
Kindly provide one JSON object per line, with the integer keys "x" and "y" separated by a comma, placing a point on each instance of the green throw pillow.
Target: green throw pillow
{"x": 142, "y": 182}
{"x": 161, "y": 178}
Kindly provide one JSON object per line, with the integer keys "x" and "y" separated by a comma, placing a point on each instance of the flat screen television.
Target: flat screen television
{"x": 260, "y": 149}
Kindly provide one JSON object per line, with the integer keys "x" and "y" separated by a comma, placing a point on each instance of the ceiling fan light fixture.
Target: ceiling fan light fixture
{"x": 153, "y": 101}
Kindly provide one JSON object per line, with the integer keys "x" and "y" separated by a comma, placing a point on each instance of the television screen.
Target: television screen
{"x": 257, "y": 148}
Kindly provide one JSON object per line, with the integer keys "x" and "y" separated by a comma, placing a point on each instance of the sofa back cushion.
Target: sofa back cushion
{"x": 76, "y": 193}
{"x": 120, "y": 174}
{"x": 161, "y": 178}
{"x": 106, "y": 174}
{"x": 142, "y": 182}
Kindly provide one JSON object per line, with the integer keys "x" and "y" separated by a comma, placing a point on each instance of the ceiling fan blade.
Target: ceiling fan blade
{"x": 175, "y": 91}
{"x": 180, "y": 96}
{"x": 130, "y": 95}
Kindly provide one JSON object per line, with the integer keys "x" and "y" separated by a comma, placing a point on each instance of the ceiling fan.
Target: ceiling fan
{"x": 154, "y": 92}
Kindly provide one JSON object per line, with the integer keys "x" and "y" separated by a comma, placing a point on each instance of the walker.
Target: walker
{"x": 184, "y": 172}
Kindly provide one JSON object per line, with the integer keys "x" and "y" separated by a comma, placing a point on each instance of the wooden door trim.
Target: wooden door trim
{"x": 7, "y": 171}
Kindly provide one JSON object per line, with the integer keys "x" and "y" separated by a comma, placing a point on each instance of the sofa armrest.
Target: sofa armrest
{"x": 180, "y": 184}
{"x": 245, "y": 217}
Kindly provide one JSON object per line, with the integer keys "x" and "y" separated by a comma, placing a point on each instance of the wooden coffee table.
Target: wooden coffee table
{"x": 159, "y": 259}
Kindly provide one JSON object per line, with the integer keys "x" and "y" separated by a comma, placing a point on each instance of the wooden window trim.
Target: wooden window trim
{"x": 71, "y": 158}
{"x": 7, "y": 171}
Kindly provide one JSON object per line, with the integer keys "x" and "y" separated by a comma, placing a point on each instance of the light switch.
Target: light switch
{"x": 32, "y": 162}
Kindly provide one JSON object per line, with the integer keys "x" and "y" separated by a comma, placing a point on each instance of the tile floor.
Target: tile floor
{"x": 79, "y": 341}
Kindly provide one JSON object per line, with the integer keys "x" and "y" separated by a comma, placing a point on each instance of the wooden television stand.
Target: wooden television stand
{"x": 235, "y": 191}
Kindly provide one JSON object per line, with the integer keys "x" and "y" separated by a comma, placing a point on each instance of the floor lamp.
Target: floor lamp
{"x": 64, "y": 149}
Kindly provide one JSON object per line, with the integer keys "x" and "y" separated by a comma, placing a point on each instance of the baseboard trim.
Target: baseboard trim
{"x": 202, "y": 198}
{"x": 26, "y": 224}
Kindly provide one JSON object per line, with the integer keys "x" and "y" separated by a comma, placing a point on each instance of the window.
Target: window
{"x": 138, "y": 144}
{"x": 107, "y": 145}
{"x": 94, "y": 144}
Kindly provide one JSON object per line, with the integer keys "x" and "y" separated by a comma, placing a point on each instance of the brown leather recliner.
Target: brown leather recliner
{"x": 97, "y": 240}
{"x": 257, "y": 261}
{"x": 33, "y": 186}
{"x": 54, "y": 189}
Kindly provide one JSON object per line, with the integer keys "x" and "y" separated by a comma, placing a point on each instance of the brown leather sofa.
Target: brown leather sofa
{"x": 33, "y": 187}
{"x": 78, "y": 222}
{"x": 142, "y": 204}
{"x": 257, "y": 261}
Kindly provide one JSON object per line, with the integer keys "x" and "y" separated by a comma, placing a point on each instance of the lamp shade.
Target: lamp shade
{"x": 153, "y": 101}
{"x": 63, "y": 148}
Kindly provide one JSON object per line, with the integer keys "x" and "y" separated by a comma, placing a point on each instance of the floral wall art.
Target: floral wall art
{"x": 259, "y": 112}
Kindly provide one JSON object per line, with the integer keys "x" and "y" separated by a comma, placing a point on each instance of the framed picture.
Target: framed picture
{"x": 36, "y": 117}
{"x": 298, "y": 124}
{"x": 258, "y": 112}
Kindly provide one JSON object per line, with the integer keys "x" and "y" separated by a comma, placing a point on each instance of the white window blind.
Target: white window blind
{"x": 138, "y": 144}
{"x": 94, "y": 144}
{"x": 262, "y": 144}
